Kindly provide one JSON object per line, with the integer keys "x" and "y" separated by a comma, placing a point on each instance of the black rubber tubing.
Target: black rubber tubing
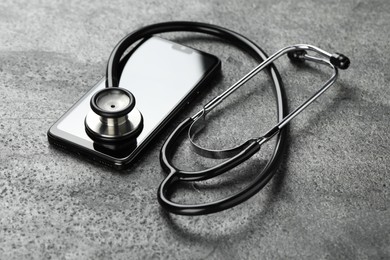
{"x": 113, "y": 74}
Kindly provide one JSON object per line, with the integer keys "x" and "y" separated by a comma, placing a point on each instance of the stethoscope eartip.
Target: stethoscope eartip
{"x": 340, "y": 61}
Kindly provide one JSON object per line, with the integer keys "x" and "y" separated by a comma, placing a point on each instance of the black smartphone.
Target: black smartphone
{"x": 163, "y": 76}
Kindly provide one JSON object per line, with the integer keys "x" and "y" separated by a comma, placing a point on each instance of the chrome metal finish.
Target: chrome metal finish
{"x": 114, "y": 128}
{"x": 114, "y": 121}
{"x": 218, "y": 99}
{"x": 113, "y": 101}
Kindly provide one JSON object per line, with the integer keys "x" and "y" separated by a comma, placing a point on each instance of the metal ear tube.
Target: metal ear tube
{"x": 296, "y": 53}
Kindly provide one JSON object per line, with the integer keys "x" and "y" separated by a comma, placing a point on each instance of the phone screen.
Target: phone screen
{"x": 161, "y": 75}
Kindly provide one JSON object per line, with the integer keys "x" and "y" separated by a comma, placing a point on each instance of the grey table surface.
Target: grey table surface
{"x": 328, "y": 200}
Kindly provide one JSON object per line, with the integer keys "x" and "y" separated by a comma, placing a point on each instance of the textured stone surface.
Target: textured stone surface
{"x": 329, "y": 200}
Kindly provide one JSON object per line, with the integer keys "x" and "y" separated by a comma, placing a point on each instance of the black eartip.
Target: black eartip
{"x": 340, "y": 61}
{"x": 296, "y": 56}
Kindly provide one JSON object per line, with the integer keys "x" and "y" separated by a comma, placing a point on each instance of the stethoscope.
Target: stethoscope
{"x": 121, "y": 122}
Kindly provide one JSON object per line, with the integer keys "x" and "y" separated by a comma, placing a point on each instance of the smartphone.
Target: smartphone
{"x": 163, "y": 76}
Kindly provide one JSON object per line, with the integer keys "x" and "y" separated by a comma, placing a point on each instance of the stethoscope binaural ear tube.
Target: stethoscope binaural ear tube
{"x": 296, "y": 53}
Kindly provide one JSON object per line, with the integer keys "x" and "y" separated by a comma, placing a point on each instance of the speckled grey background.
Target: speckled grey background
{"x": 329, "y": 200}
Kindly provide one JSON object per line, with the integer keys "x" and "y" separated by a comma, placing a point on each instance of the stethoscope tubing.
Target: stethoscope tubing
{"x": 245, "y": 151}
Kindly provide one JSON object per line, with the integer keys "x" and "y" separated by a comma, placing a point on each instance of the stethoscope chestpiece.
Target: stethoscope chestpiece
{"x": 113, "y": 116}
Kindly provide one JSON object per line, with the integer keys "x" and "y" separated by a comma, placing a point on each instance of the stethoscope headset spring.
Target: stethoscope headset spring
{"x": 237, "y": 155}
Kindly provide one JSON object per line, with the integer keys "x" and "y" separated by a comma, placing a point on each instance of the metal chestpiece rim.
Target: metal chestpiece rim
{"x": 113, "y": 116}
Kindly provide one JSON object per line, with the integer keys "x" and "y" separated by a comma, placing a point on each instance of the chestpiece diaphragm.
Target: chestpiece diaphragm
{"x": 113, "y": 116}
